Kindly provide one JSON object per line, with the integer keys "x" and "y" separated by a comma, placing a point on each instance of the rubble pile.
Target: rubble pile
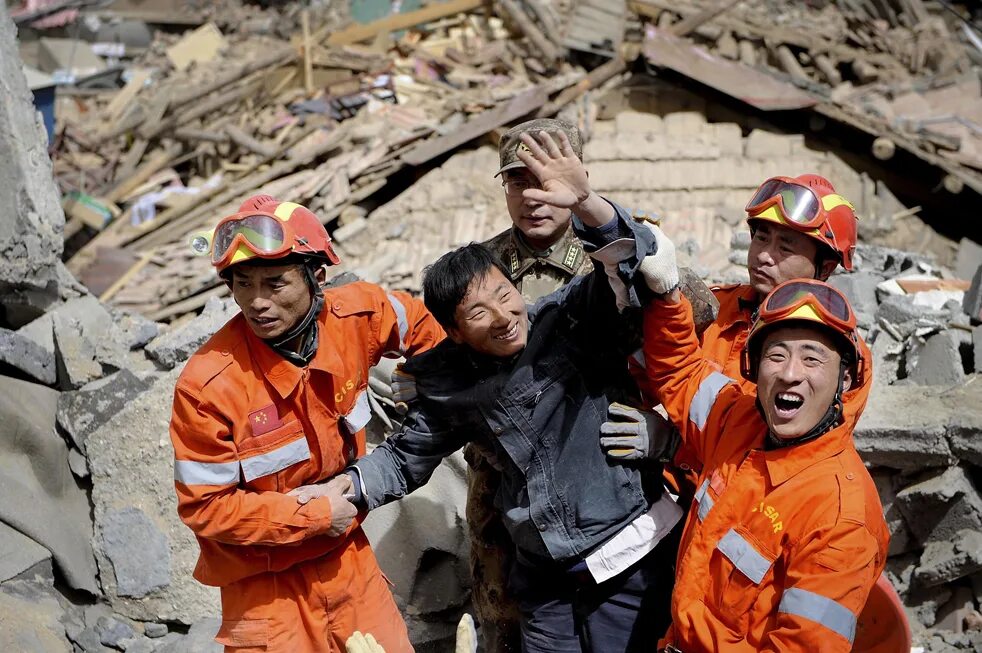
{"x": 901, "y": 73}
{"x": 387, "y": 130}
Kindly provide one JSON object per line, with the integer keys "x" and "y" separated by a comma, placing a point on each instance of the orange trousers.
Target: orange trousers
{"x": 314, "y": 606}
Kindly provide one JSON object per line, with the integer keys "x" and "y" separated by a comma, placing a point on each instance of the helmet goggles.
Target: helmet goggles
{"x": 262, "y": 233}
{"x": 799, "y": 205}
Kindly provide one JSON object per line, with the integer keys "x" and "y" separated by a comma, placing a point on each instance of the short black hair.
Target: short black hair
{"x": 446, "y": 281}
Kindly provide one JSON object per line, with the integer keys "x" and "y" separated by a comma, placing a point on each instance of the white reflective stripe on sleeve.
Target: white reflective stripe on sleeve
{"x": 189, "y": 472}
{"x": 820, "y": 609}
{"x": 401, "y": 320}
{"x": 638, "y": 356}
{"x": 744, "y": 556}
{"x": 704, "y": 500}
{"x": 276, "y": 460}
{"x": 705, "y": 397}
{"x": 360, "y": 415}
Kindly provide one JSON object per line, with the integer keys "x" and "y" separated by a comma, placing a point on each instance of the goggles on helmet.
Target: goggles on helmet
{"x": 823, "y": 301}
{"x": 800, "y": 206}
{"x": 807, "y": 300}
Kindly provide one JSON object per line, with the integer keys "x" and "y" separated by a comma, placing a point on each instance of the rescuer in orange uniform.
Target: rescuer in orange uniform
{"x": 273, "y": 403}
{"x": 786, "y": 537}
{"x": 800, "y": 229}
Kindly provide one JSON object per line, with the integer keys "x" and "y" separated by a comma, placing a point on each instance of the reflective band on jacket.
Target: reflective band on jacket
{"x": 400, "y": 319}
{"x": 193, "y": 473}
{"x": 360, "y": 415}
{"x": 276, "y": 460}
{"x": 820, "y": 609}
{"x": 704, "y": 500}
{"x": 705, "y": 397}
{"x": 744, "y": 556}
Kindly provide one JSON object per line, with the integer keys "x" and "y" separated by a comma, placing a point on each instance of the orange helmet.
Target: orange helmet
{"x": 265, "y": 228}
{"x": 809, "y": 204}
{"x": 812, "y": 302}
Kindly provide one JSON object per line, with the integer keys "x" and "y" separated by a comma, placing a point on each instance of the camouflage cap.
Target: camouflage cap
{"x": 511, "y": 143}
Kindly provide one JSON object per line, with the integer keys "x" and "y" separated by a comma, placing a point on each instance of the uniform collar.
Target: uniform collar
{"x": 284, "y": 375}
{"x": 748, "y": 300}
{"x": 566, "y": 254}
{"x": 786, "y": 462}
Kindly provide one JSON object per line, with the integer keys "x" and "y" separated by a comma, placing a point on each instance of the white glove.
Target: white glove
{"x": 660, "y": 270}
{"x": 361, "y": 643}
{"x": 466, "y": 635}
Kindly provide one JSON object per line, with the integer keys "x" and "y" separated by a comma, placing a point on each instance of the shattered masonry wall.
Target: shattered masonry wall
{"x": 30, "y": 235}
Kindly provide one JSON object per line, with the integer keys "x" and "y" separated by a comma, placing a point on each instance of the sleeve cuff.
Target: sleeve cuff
{"x": 357, "y": 485}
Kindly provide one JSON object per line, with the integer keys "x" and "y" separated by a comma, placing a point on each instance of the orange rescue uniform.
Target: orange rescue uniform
{"x": 247, "y": 427}
{"x": 723, "y": 341}
{"x": 781, "y": 547}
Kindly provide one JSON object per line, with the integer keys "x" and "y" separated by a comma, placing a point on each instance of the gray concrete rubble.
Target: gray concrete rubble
{"x": 176, "y": 346}
{"x": 30, "y": 232}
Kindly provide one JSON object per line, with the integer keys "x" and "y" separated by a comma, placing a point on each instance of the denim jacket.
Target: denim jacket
{"x": 540, "y": 411}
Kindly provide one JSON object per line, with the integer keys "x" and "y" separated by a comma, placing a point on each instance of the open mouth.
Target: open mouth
{"x": 509, "y": 335}
{"x": 263, "y": 321}
{"x": 787, "y": 404}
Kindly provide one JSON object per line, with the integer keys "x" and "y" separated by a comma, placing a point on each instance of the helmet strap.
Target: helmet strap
{"x": 831, "y": 419}
{"x": 306, "y": 328}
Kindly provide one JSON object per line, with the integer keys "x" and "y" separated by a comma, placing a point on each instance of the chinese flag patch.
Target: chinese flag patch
{"x": 264, "y": 420}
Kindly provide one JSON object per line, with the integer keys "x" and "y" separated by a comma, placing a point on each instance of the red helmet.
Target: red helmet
{"x": 266, "y": 228}
{"x": 809, "y": 204}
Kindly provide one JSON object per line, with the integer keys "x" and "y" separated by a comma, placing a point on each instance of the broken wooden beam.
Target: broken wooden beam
{"x": 396, "y": 22}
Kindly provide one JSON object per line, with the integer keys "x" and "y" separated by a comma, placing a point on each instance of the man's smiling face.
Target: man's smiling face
{"x": 797, "y": 379}
{"x": 492, "y": 318}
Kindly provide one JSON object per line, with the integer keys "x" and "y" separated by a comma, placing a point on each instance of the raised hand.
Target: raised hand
{"x": 562, "y": 177}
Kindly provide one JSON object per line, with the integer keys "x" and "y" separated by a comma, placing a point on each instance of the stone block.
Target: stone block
{"x": 740, "y": 240}
{"x": 938, "y": 362}
{"x": 940, "y": 504}
{"x": 947, "y": 560}
{"x": 113, "y": 632}
{"x": 729, "y": 138}
{"x": 32, "y": 221}
{"x": 899, "y": 431}
{"x": 136, "y": 330}
{"x": 82, "y": 411}
{"x": 140, "y": 645}
{"x": 200, "y": 639}
{"x": 77, "y": 364}
{"x": 41, "y": 498}
{"x": 638, "y": 121}
{"x": 965, "y": 427}
{"x": 684, "y": 123}
{"x": 138, "y": 551}
{"x": 31, "y": 623}
{"x": 887, "y": 261}
{"x": 132, "y": 464}
{"x": 923, "y": 603}
{"x": 903, "y": 313}
{"x": 977, "y": 348}
{"x": 18, "y": 553}
{"x": 900, "y": 538}
{"x": 967, "y": 259}
{"x": 761, "y": 144}
{"x": 155, "y": 630}
{"x": 176, "y": 346}
{"x": 860, "y": 289}
{"x": 972, "y": 302}
{"x": 26, "y": 357}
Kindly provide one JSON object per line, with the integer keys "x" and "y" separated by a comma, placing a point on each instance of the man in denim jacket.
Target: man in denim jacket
{"x": 534, "y": 385}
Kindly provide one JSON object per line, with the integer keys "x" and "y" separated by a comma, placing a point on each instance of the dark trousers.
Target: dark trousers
{"x": 569, "y": 613}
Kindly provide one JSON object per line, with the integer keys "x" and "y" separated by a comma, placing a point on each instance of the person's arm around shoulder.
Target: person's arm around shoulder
{"x": 209, "y": 499}
{"x": 405, "y": 461}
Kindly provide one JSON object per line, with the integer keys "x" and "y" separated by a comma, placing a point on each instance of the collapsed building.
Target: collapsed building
{"x": 393, "y": 146}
